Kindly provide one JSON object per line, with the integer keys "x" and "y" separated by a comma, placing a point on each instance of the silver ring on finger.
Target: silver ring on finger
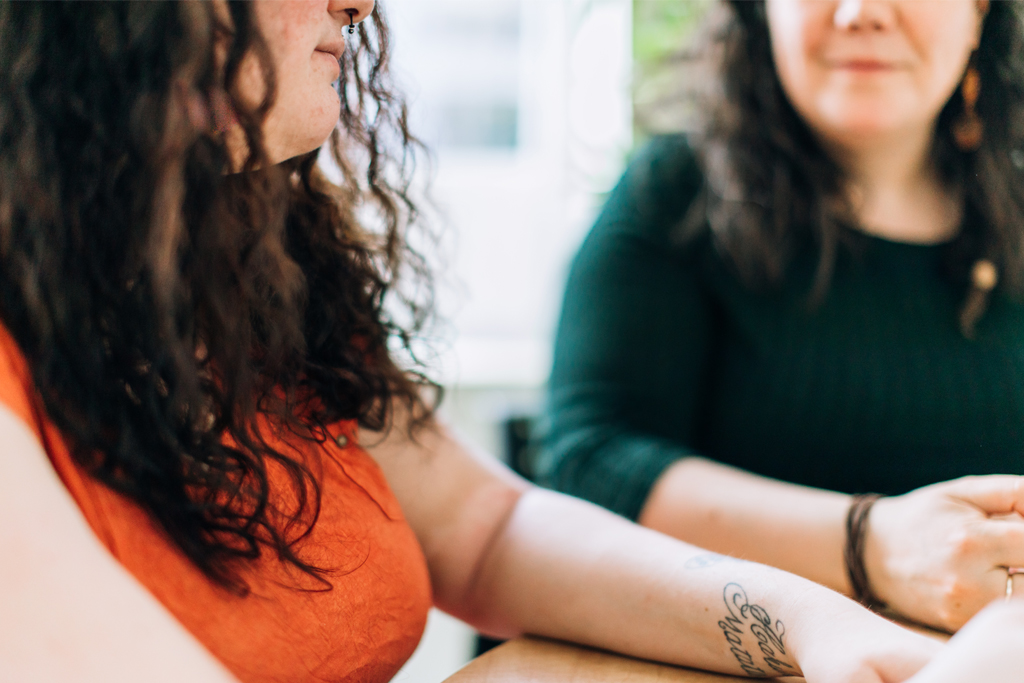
{"x": 1010, "y": 573}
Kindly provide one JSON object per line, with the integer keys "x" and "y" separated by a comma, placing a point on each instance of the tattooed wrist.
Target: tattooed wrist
{"x": 755, "y": 642}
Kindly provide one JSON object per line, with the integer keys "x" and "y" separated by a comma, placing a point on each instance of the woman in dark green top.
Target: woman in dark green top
{"x": 822, "y": 288}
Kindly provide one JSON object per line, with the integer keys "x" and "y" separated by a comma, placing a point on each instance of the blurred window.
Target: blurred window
{"x": 478, "y": 125}
{"x": 526, "y": 107}
{"x": 467, "y": 70}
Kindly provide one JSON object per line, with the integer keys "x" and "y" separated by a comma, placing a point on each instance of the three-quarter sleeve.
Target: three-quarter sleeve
{"x": 633, "y": 342}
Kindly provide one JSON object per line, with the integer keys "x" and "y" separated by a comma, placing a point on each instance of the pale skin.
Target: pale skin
{"x": 503, "y": 555}
{"x": 986, "y": 649}
{"x": 869, "y": 78}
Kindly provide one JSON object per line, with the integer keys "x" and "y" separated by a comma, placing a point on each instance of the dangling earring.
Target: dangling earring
{"x": 968, "y": 129}
{"x": 351, "y": 20}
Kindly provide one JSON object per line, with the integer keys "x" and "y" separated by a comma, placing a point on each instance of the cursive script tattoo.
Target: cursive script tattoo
{"x": 744, "y": 618}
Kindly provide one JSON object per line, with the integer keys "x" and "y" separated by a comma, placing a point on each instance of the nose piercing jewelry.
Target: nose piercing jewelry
{"x": 351, "y": 20}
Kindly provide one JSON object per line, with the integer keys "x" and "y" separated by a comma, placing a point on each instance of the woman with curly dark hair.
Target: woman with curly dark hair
{"x": 818, "y": 294}
{"x": 211, "y": 467}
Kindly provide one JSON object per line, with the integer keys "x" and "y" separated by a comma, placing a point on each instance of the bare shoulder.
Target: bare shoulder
{"x": 435, "y": 474}
{"x": 70, "y": 611}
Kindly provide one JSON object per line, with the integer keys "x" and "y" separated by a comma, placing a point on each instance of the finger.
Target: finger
{"x": 986, "y": 650}
{"x": 992, "y": 494}
{"x": 1010, "y": 586}
{"x": 994, "y": 587}
{"x": 1001, "y": 541}
{"x": 1002, "y": 585}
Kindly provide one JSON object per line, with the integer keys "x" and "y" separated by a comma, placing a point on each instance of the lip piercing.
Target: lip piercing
{"x": 351, "y": 20}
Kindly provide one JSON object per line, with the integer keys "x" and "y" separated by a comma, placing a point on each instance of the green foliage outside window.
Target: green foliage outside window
{"x": 662, "y": 29}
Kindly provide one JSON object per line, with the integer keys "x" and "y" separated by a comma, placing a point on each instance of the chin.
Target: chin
{"x": 861, "y": 127}
{"x": 323, "y": 120}
{"x": 305, "y": 133}
{"x": 322, "y": 135}
{"x": 860, "y": 121}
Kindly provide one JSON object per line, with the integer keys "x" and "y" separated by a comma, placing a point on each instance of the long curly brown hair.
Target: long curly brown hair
{"x": 773, "y": 191}
{"x": 164, "y": 301}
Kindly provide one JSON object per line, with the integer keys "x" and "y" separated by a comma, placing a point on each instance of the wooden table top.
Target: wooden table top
{"x": 532, "y": 660}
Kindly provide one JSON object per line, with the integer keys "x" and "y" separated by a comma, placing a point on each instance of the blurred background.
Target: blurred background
{"x": 531, "y": 109}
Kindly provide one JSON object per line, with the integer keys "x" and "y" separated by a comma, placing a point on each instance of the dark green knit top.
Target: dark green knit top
{"x": 663, "y": 353}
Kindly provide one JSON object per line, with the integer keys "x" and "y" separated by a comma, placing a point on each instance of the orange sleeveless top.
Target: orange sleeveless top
{"x": 362, "y": 630}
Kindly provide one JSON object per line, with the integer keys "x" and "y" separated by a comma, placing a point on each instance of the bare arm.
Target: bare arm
{"x": 510, "y": 559}
{"x": 935, "y": 554}
{"x": 68, "y": 610}
{"x": 987, "y": 649}
{"x": 736, "y": 513}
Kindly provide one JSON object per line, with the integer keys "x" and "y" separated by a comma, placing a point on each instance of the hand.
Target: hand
{"x": 987, "y": 649}
{"x": 938, "y": 554}
{"x": 849, "y": 644}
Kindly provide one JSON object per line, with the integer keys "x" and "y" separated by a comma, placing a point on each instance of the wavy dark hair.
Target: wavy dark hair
{"x": 773, "y": 191}
{"x": 173, "y": 309}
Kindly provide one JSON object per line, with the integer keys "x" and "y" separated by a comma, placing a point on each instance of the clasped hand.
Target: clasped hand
{"x": 939, "y": 554}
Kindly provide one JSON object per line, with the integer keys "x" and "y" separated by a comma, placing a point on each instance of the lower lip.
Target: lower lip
{"x": 866, "y": 67}
{"x": 333, "y": 59}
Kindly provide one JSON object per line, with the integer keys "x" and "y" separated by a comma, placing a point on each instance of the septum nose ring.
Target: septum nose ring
{"x": 351, "y": 20}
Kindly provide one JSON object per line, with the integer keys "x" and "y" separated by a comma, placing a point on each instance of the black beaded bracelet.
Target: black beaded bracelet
{"x": 853, "y": 552}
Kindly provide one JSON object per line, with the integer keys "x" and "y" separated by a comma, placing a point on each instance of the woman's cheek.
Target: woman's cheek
{"x": 797, "y": 33}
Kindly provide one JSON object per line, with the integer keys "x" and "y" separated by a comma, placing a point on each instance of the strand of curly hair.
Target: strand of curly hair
{"x": 173, "y": 312}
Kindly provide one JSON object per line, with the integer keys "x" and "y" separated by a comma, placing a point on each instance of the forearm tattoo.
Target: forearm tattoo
{"x": 745, "y": 620}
